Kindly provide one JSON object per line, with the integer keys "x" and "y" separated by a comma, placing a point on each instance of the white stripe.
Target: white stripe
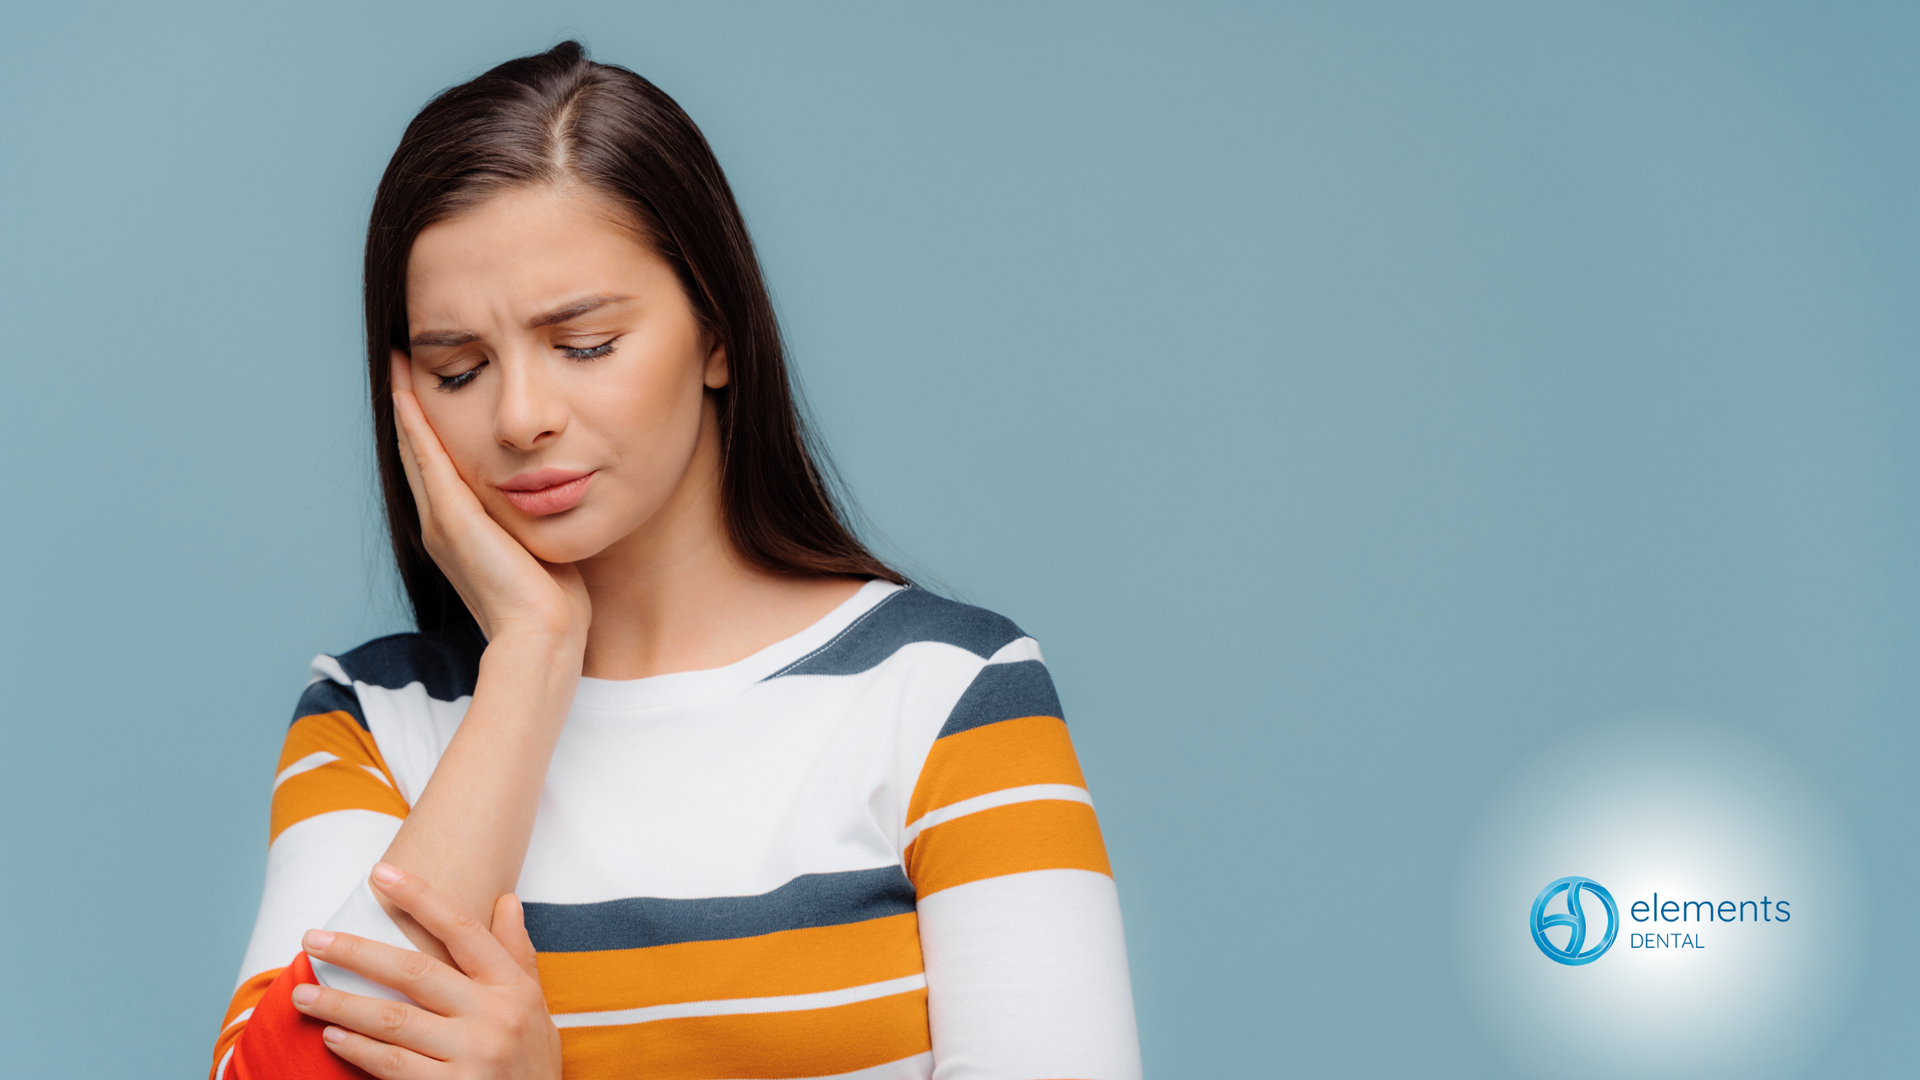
{"x": 374, "y": 772}
{"x": 330, "y": 668}
{"x": 1003, "y": 797}
{"x": 306, "y": 764}
{"x": 241, "y": 1019}
{"x": 221, "y": 1072}
{"x": 740, "y": 1006}
{"x": 1032, "y": 973}
{"x": 362, "y": 916}
{"x": 917, "y": 1067}
{"x": 1015, "y": 651}
{"x": 312, "y": 867}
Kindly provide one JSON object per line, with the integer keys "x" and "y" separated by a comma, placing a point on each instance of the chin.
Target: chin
{"x": 559, "y": 540}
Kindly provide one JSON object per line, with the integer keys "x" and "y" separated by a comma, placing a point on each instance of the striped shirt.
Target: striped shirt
{"x": 864, "y": 851}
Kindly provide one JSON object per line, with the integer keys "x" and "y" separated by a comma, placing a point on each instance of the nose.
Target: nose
{"x": 531, "y": 412}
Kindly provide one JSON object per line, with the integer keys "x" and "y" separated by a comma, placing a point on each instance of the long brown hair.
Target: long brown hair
{"x": 560, "y": 116}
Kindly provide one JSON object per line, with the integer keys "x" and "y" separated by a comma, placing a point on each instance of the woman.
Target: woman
{"x": 677, "y": 779}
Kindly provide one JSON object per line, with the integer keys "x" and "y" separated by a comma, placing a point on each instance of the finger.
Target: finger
{"x": 440, "y": 494}
{"x": 384, "y": 1060}
{"x": 400, "y": 373}
{"x": 393, "y": 1022}
{"x": 437, "y": 474}
{"x": 415, "y": 974}
{"x": 473, "y": 947}
{"x": 409, "y": 456}
{"x": 510, "y": 930}
{"x": 401, "y": 378}
{"x": 407, "y": 415}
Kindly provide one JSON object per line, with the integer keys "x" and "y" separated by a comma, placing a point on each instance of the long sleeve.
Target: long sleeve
{"x": 335, "y": 810}
{"x": 867, "y": 850}
{"x": 1026, "y": 964}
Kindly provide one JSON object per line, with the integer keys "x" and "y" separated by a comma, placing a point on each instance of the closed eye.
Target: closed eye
{"x": 451, "y": 383}
{"x": 592, "y": 352}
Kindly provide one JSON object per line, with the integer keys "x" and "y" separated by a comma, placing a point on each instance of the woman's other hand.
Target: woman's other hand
{"x": 505, "y": 587}
{"x": 485, "y": 1020}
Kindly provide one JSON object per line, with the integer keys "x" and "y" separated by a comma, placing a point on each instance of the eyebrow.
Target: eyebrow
{"x": 448, "y": 338}
{"x": 564, "y": 313}
{"x": 574, "y": 310}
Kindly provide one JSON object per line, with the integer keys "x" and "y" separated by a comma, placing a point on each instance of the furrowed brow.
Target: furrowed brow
{"x": 572, "y": 311}
{"x": 444, "y": 338}
{"x": 455, "y": 338}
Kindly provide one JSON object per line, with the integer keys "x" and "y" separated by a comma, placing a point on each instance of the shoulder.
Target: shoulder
{"x": 907, "y": 617}
{"x": 993, "y": 667}
{"x": 446, "y": 664}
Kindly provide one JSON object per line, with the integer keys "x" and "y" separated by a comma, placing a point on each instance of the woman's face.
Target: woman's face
{"x": 558, "y": 359}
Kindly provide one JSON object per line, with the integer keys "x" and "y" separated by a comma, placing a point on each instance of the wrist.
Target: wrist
{"x": 530, "y": 657}
{"x": 536, "y": 639}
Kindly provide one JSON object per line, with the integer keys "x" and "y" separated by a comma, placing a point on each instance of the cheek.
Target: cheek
{"x": 465, "y": 429}
{"x": 653, "y": 420}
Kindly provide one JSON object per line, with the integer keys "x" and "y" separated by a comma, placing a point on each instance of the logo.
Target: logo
{"x": 1574, "y": 952}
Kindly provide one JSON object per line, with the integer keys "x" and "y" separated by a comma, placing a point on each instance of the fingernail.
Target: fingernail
{"x": 305, "y": 994}
{"x": 317, "y": 939}
{"x": 333, "y": 1035}
{"x": 387, "y": 875}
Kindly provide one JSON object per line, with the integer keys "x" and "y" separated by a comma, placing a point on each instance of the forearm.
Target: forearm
{"x": 467, "y": 834}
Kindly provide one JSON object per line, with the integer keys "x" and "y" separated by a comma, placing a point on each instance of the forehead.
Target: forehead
{"x": 520, "y": 251}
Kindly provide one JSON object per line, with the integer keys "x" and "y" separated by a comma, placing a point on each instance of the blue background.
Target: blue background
{"x": 1352, "y": 398}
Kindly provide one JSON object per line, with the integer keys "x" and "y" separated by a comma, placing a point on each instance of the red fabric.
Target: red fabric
{"x": 281, "y": 1043}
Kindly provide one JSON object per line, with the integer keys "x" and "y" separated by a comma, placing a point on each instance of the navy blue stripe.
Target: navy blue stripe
{"x": 328, "y": 696}
{"x": 642, "y": 922}
{"x": 1004, "y": 692}
{"x": 447, "y": 663}
{"x": 905, "y": 617}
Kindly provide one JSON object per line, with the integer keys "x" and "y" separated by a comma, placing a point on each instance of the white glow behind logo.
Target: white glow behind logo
{"x": 1690, "y": 810}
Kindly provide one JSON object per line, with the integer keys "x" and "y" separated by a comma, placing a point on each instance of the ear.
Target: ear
{"x": 717, "y": 373}
{"x": 401, "y": 371}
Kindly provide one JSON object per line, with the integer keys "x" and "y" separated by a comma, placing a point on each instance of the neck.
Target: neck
{"x": 677, "y": 595}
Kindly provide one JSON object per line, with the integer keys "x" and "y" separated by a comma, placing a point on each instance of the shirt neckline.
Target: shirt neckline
{"x": 623, "y": 695}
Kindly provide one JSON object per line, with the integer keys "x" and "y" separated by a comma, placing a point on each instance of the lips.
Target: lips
{"x": 546, "y": 491}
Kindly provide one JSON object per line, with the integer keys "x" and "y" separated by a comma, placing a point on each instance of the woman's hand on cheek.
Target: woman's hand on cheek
{"x": 507, "y": 589}
{"x": 485, "y": 1020}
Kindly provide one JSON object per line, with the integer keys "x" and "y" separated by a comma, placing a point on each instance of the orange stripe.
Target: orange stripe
{"x": 810, "y": 1042}
{"x": 246, "y": 997}
{"x": 1045, "y": 834}
{"x": 339, "y": 734}
{"x": 787, "y": 962}
{"x": 1011, "y": 753}
{"x": 337, "y": 785}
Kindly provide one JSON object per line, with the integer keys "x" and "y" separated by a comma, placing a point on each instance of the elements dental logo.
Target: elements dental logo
{"x": 1574, "y": 952}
